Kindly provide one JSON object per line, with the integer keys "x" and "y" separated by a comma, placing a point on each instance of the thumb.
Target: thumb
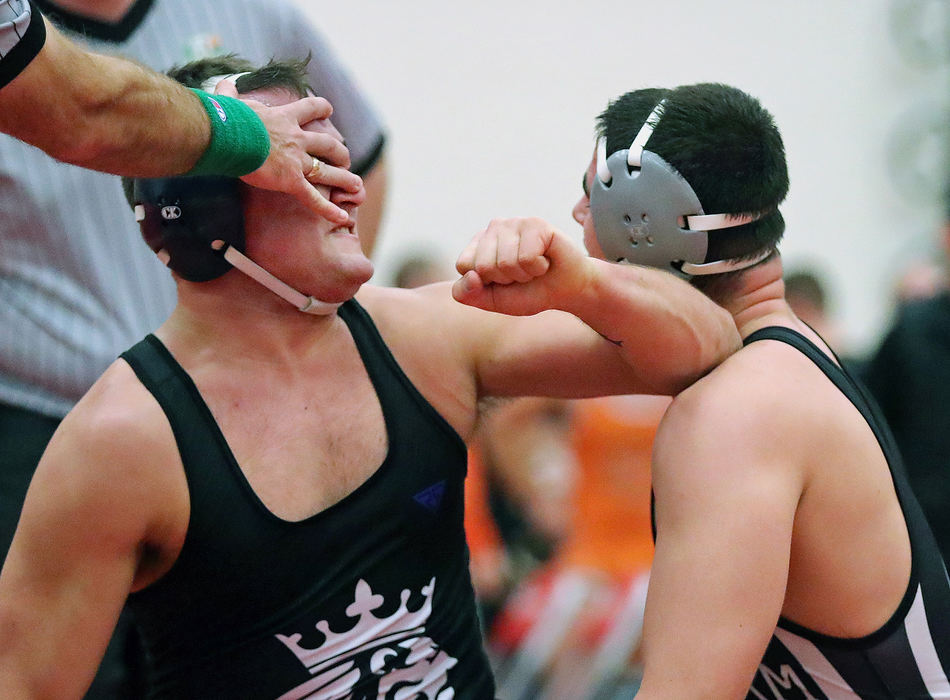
{"x": 226, "y": 88}
{"x": 470, "y": 290}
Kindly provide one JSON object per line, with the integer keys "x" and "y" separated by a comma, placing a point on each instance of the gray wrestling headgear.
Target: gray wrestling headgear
{"x": 196, "y": 227}
{"x": 646, "y": 213}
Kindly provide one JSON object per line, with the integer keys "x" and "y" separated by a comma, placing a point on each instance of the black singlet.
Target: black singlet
{"x": 367, "y": 598}
{"x": 909, "y": 656}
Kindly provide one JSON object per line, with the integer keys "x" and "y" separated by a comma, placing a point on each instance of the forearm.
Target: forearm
{"x": 666, "y": 328}
{"x": 104, "y": 113}
{"x": 669, "y": 333}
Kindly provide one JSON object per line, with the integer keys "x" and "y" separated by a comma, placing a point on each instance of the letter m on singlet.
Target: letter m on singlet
{"x": 784, "y": 685}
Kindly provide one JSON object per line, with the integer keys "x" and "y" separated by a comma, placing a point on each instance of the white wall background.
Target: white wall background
{"x": 490, "y": 108}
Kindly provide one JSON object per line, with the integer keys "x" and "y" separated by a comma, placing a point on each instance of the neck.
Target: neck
{"x": 244, "y": 320}
{"x": 755, "y": 298}
{"x": 103, "y": 10}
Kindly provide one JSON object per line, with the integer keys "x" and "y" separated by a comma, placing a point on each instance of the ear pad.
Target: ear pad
{"x": 183, "y": 215}
{"x": 638, "y": 214}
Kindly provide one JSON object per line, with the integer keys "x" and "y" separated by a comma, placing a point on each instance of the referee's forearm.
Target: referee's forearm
{"x": 104, "y": 113}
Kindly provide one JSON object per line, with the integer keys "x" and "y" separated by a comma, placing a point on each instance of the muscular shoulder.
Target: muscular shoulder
{"x": 746, "y": 380}
{"x": 434, "y": 339}
{"x": 112, "y": 454}
{"x": 418, "y": 305}
{"x": 117, "y": 416}
{"x": 749, "y": 414}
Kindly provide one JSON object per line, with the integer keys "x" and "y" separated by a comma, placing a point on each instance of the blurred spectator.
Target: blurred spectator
{"x": 909, "y": 376}
{"x": 518, "y": 490}
{"x": 489, "y": 564}
{"x": 806, "y": 292}
{"x": 809, "y": 295}
{"x": 920, "y": 279}
{"x": 572, "y": 629}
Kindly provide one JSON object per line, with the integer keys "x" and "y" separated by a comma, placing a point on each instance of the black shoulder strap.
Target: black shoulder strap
{"x": 150, "y": 361}
{"x": 856, "y": 393}
{"x": 195, "y": 429}
{"x": 799, "y": 342}
{"x": 25, "y": 50}
{"x": 373, "y": 350}
{"x": 393, "y": 387}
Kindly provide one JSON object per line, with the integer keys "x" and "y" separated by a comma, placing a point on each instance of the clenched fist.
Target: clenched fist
{"x": 520, "y": 267}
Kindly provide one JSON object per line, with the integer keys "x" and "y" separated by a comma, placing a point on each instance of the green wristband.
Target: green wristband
{"x": 239, "y": 141}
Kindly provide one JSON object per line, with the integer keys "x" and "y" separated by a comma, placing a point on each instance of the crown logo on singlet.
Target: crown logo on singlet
{"x": 378, "y": 657}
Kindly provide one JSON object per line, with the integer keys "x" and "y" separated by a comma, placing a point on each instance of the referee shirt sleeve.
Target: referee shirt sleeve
{"x": 22, "y": 35}
{"x": 353, "y": 114}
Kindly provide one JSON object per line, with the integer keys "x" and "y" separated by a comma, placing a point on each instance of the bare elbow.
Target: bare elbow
{"x": 712, "y": 343}
{"x": 728, "y": 338}
{"x": 717, "y": 343}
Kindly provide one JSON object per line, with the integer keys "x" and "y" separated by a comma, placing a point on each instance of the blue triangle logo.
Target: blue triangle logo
{"x": 431, "y": 497}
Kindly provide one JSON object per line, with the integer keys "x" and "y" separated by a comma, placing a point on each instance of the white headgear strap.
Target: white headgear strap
{"x": 211, "y": 83}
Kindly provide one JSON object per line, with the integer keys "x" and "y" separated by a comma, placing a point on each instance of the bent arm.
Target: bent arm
{"x": 668, "y": 332}
{"x": 673, "y": 333}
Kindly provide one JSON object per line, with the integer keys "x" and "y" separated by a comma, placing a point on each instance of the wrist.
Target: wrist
{"x": 581, "y": 289}
{"x": 239, "y": 141}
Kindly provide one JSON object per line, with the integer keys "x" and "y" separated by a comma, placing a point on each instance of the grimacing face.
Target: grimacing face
{"x": 307, "y": 251}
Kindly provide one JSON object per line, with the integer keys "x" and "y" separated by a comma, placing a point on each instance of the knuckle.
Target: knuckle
{"x": 509, "y": 266}
{"x": 526, "y": 258}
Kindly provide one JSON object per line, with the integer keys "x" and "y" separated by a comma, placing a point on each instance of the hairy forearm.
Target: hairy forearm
{"x": 662, "y": 325}
{"x": 104, "y": 113}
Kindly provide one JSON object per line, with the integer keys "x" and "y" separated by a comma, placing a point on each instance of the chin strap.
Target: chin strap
{"x": 211, "y": 83}
{"x": 308, "y": 305}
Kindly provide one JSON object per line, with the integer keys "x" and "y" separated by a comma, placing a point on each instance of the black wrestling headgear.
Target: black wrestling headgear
{"x": 181, "y": 216}
{"x": 195, "y": 225}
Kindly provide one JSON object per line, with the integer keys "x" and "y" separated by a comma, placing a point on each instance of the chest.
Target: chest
{"x": 303, "y": 443}
{"x": 390, "y": 551}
